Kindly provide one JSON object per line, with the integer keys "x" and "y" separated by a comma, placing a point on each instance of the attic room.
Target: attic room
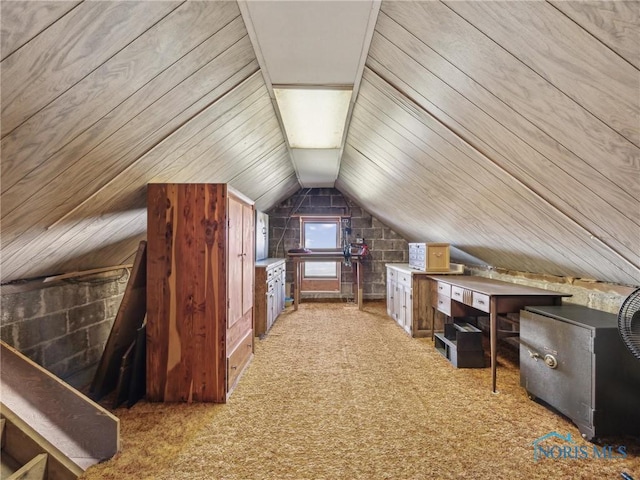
{"x": 320, "y": 239}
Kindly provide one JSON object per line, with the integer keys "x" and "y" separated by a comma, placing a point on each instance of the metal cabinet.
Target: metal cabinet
{"x": 573, "y": 358}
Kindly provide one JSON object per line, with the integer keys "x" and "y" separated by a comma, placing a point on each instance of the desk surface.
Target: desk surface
{"x": 492, "y": 287}
{"x": 323, "y": 256}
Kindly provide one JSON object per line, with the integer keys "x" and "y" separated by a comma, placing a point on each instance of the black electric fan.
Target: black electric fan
{"x": 629, "y": 323}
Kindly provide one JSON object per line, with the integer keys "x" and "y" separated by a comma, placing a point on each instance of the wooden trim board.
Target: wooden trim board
{"x": 81, "y": 429}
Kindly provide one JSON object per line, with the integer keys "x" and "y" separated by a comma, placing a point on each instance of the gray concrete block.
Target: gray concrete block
{"x": 34, "y": 354}
{"x": 111, "y": 306}
{"x": 73, "y": 293}
{"x": 360, "y": 222}
{"x": 64, "y": 347}
{"x": 86, "y": 315}
{"x": 393, "y": 256}
{"x": 28, "y": 333}
{"x": 98, "y": 333}
{"x": 107, "y": 287}
{"x": 372, "y": 233}
{"x": 338, "y": 201}
{"x": 15, "y": 307}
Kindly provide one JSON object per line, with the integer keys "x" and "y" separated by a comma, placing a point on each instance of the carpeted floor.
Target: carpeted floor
{"x": 336, "y": 393}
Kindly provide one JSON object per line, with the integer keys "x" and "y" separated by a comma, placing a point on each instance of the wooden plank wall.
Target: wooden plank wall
{"x": 100, "y": 98}
{"x": 187, "y": 292}
{"x": 510, "y": 129}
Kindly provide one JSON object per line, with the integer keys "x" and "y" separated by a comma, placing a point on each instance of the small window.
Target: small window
{"x": 320, "y": 233}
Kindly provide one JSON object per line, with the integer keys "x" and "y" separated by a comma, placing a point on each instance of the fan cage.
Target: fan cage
{"x": 629, "y": 322}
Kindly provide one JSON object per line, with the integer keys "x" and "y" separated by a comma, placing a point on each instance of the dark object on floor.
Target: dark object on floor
{"x": 128, "y": 320}
{"x": 573, "y": 358}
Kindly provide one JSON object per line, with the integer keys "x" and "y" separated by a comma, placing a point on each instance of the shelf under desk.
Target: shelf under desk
{"x": 458, "y": 295}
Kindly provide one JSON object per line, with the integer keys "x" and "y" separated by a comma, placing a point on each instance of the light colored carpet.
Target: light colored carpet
{"x": 336, "y": 393}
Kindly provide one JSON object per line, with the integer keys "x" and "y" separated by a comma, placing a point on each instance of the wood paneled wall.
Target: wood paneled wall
{"x": 100, "y": 98}
{"x": 510, "y": 129}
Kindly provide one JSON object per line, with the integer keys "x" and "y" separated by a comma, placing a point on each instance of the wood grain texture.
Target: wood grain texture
{"x": 530, "y": 172}
{"x": 26, "y": 20}
{"x": 145, "y": 119}
{"x": 192, "y": 290}
{"x": 613, "y": 23}
{"x": 175, "y": 157}
{"x": 110, "y": 84}
{"x": 526, "y": 152}
{"x": 129, "y": 319}
{"x": 90, "y": 34}
{"x": 565, "y": 55}
{"x": 456, "y": 188}
{"x": 23, "y": 443}
{"x": 522, "y": 89}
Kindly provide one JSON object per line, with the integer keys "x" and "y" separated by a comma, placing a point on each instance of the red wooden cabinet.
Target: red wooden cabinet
{"x": 200, "y": 281}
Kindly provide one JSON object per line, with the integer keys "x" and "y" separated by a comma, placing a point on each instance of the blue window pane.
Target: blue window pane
{"x": 320, "y": 235}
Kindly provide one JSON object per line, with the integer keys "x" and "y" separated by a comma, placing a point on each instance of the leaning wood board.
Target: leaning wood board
{"x": 82, "y": 430}
{"x": 128, "y": 320}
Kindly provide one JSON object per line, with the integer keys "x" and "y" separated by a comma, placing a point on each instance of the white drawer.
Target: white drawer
{"x": 444, "y": 289}
{"x": 481, "y": 301}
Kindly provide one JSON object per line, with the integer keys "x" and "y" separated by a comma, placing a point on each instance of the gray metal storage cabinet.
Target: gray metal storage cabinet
{"x": 573, "y": 358}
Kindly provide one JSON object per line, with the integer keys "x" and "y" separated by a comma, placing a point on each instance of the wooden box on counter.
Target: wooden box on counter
{"x": 430, "y": 257}
{"x": 200, "y": 287}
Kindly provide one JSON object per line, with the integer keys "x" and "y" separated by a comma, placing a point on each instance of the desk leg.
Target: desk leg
{"x": 358, "y": 283}
{"x": 296, "y": 284}
{"x": 493, "y": 341}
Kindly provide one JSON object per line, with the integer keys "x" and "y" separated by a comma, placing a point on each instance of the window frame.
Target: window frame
{"x": 313, "y": 283}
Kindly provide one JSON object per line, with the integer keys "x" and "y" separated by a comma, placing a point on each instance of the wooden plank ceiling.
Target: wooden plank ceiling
{"x": 509, "y": 129}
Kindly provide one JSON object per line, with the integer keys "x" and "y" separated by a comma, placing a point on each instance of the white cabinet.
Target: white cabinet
{"x": 409, "y": 299}
{"x": 269, "y": 294}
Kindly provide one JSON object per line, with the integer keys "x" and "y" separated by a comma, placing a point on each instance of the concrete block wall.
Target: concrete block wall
{"x": 603, "y": 296}
{"x": 385, "y": 245}
{"x": 62, "y": 326}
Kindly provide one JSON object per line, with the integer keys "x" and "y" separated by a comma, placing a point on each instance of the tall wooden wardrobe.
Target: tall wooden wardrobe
{"x": 200, "y": 283}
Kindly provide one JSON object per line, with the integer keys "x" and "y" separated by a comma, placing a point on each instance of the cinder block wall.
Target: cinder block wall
{"x": 62, "y": 326}
{"x": 385, "y": 245}
{"x": 607, "y": 297}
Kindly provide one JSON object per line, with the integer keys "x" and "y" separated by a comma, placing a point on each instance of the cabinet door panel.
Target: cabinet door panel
{"x": 234, "y": 260}
{"x": 248, "y": 252}
{"x": 408, "y": 309}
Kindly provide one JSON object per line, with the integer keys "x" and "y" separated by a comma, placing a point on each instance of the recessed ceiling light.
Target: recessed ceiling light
{"x": 313, "y": 117}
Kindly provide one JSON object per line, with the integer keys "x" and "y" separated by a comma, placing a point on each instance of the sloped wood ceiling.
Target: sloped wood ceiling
{"x": 510, "y": 129}
{"x": 100, "y": 98}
